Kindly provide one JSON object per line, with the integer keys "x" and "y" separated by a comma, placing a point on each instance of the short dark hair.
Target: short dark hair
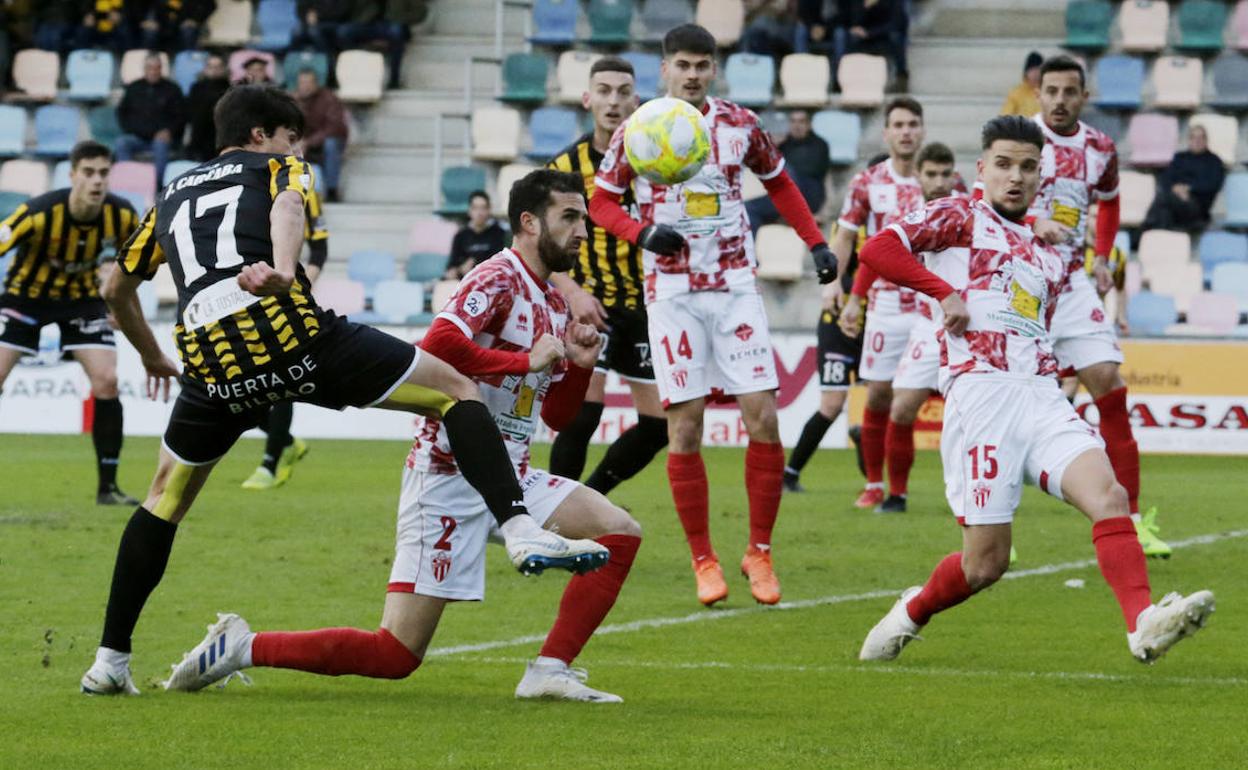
{"x": 689, "y": 38}
{"x": 309, "y": 71}
{"x": 244, "y": 107}
{"x": 472, "y": 196}
{"x": 1063, "y": 64}
{"x": 87, "y": 149}
{"x": 612, "y": 64}
{"x": 902, "y": 103}
{"x": 531, "y": 193}
{"x": 934, "y": 153}
{"x": 1012, "y": 128}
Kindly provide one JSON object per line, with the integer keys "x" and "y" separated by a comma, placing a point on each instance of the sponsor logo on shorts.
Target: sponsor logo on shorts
{"x": 760, "y": 372}
{"x": 440, "y": 562}
{"x": 980, "y": 494}
{"x": 744, "y": 332}
{"x": 1098, "y": 315}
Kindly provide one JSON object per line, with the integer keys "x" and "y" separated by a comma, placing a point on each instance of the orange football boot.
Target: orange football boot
{"x": 711, "y": 584}
{"x": 870, "y": 497}
{"x": 756, "y": 565}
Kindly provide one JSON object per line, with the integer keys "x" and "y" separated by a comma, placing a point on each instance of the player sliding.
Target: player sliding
{"x": 708, "y": 329}
{"x": 250, "y": 335}
{"x": 508, "y": 328}
{"x": 1006, "y": 419}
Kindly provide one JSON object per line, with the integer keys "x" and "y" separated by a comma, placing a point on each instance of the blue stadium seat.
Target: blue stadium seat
{"x": 302, "y": 60}
{"x": 1231, "y": 278}
{"x": 186, "y": 68}
{"x": 1218, "y": 246}
{"x": 138, "y": 200}
{"x": 751, "y": 79}
{"x": 645, "y": 72}
{"x": 1149, "y": 314}
{"x": 370, "y": 268}
{"x": 1119, "y": 82}
{"x": 60, "y": 175}
{"x": 552, "y": 129}
{"x": 102, "y": 121}
{"x": 277, "y": 21}
{"x": 318, "y": 178}
{"x": 554, "y": 22}
{"x": 90, "y": 74}
{"x": 175, "y": 169}
{"x": 425, "y": 266}
{"x": 842, "y": 131}
{"x": 12, "y": 130}
{"x": 1230, "y": 82}
{"x": 9, "y": 201}
{"x": 524, "y": 78}
{"x": 56, "y": 129}
{"x": 396, "y": 301}
{"x": 1235, "y": 194}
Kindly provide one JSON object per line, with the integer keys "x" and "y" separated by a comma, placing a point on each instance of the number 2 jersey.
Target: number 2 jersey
{"x": 208, "y": 224}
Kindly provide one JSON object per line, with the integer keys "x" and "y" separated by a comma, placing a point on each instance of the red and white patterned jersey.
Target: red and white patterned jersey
{"x": 499, "y": 305}
{"x": 925, "y": 306}
{"x": 707, "y": 210}
{"x": 877, "y": 197}
{"x": 1074, "y": 170}
{"x": 1008, "y": 278}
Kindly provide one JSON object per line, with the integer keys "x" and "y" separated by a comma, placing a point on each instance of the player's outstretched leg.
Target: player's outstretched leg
{"x": 567, "y": 453}
{"x": 629, "y": 454}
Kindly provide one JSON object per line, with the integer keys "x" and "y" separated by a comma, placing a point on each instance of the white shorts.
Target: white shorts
{"x": 919, "y": 368}
{"x": 443, "y": 528}
{"x": 1082, "y": 331}
{"x": 884, "y": 341}
{"x": 1000, "y": 431}
{"x": 710, "y": 342}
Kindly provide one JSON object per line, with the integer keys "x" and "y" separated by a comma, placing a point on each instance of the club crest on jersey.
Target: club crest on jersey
{"x": 440, "y": 563}
{"x": 980, "y": 494}
{"x": 522, "y": 322}
{"x": 680, "y": 377}
{"x": 744, "y": 332}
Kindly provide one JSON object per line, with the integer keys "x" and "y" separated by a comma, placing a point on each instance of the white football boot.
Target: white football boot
{"x": 534, "y": 550}
{"x": 224, "y": 651}
{"x": 557, "y": 681}
{"x": 109, "y": 675}
{"x": 893, "y": 632}
{"x": 1160, "y": 626}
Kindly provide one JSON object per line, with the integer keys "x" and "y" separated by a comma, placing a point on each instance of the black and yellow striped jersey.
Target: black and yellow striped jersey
{"x": 58, "y": 257}
{"x": 1116, "y": 261}
{"x": 609, "y": 267}
{"x": 208, "y": 224}
{"x": 314, "y": 230}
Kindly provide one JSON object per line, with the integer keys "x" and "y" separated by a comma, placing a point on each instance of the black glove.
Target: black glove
{"x": 661, "y": 239}
{"x": 825, "y": 263}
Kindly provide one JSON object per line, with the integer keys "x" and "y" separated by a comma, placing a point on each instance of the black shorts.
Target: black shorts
{"x": 626, "y": 350}
{"x": 837, "y": 354}
{"x": 347, "y": 364}
{"x": 83, "y": 323}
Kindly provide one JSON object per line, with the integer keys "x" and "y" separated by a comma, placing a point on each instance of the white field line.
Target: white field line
{"x": 702, "y": 616}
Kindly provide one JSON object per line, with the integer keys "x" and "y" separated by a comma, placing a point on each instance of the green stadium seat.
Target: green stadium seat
{"x": 524, "y": 78}
{"x": 609, "y": 22}
{"x": 301, "y": 60}
{"x": 9, "y": 201}
{"x": 458, "y": 182}
{"x": 102, "y": 121}
{"x": 425, "y": 266}
{"x": 1087, "y": 24}
{"x": 1200, "y": 25}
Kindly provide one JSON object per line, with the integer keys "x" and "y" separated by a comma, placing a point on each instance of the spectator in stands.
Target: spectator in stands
{"x": 104, "y": 25}
{"x": 256, "y": 72}
{"x": 477, "y": 241}
{"x": 325, "y": 127}
{"x": 212, "y": 83}
{"x": 770, "y": 27}
{"x": 55, "y": 23}
{"x": 151, "y": 114}
{"x": 322, "y": 23}
{"x": 1187, "y": 187}
{"x": 882, "y": 27}
{"x": 806, "y": 158}
{"x": 169, "y": 24}
{"x": 1022, "y": 100}
{"x": 392, "y": 29}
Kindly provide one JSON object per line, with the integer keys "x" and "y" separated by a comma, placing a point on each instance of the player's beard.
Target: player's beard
{"x": 556, "y": 258}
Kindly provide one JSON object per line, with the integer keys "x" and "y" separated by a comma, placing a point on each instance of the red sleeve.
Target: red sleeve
{"x": 762, "y": 156}
{"x": 605, "y": 210}
{"x": 792, "y": 206}
{"x": 889, "y": 256}
{"x": 1107, "y": 217}
{"x": 863, "y": 279}
{"x": 563, "y": 400}
{"x": 447, "y": 341}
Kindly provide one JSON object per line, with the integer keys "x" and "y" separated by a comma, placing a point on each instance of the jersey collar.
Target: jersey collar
{"x": 537, "y": 285}
{"x": 896, "y": 175}
{"x": 1017, "y": 227}
{"x": 1073, "y": 140}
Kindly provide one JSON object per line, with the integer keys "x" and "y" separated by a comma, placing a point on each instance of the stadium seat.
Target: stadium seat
{"x": 1137, "y": 191}
{"x": 1181, "y": 280}
{"x": 1119, "y": 82}
{"x": 35, "y": 74}
{"x": 1177, "y": 82}
{"x": 659, "y": 16}
{"x": 132, "y": 64}
{"x": 102, "y": 123}
{"x": 751, "y": 186}
{"x": 370, "y": 268}
{"x": 610, "y": 22}
{"x": 1133, "y": 282}
{"x": 1231, "y": 278}
{"x": 551, "y": 129}
{"x": 1153, "y": 139}
{"x": 805, "y": 79}
{"x": 9, "y": 201}
{"x": 458, "y": 182}
{"x": 425, "y": 266}
{"x": 1201, "y": 25}
{"x": 229, "y": 24}
{"x": 12, "y": 130}
{"x": 60, "y": 175}
{"x": 442, "y": 293}
{"x": 237, "y": 58}
{"x": 302, "y": 60}
{"x": 1109, "y": 123}
{"x": 166, "y": 288}
{"x": 862, "y": 78}
{"x": 1149, "y": 314}
{"x": 495, "y": 134}
{"x": 572, "y": 72}
{"x": 1087, "y": 24}
{"x": 780, "y": 253}
{"x": 507, "y": 176}
{"x": 433, "y": 235}
{"x": 751, "y": 78}
{"x": 397, "y": 301}
{"x": 361, "y": 76}
{"x": 842, "y": 131}
{"x": 278, "y": 22}
{"x": 524, "y": 78}
{"x": 135, "y": 178}
{"x": 774, "y": 122}
{"x": 1223, "y": 133}
{"x": 341, "y": 295}
{"x": 724, "y": 19}
{"x": 1213, "y": 312}
{"x": 1143, "y": 24}
{"x": 1239, "y": 26}
{"x": 1161, "y": 248}
{"x": 90, "y": 74}
{"x": 1218, "y": 246}
{"x": 554, "y": 22}
{"x": 186, "y": 68}
{"x": 1235, "y": 195}
{"x": 1230, "y": 83}
{"x": 56, "y": 129}
{"x": 29, "y": 177}
{"x": 148, "y": 301}
{"x": 645, "y": 72}
{"x": 175, "y": 169}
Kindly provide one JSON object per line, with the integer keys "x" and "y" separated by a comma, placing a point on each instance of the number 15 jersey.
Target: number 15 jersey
{"x": 208, "y": 224}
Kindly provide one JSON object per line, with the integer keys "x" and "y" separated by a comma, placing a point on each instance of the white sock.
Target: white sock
{"x": 523, "y": 525}
{"x": 246, "y": 658}
{"x": 1136, "y": 518}
{"x": 549, "y": 662}
{"x": 112, "y": 658}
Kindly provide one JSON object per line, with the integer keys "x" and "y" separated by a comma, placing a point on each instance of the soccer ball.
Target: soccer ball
{"x": 667, "y": 140}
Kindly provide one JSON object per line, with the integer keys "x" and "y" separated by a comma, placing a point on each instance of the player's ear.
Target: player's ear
{"x": 585, "y": 99}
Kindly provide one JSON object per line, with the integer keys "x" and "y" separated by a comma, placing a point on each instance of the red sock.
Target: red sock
{"x": 899, "y": 448}
{"x": 588, "y": 598}
{"x": 1122, "y": 563}
{"x": 947, "y": 587}
{"x": 687, "y": 476}
{"x": 764, "y": 481}
{"x": 874, "y": 425}
{"x": 1124, "y": 453}
{"x": 334, "y": 652}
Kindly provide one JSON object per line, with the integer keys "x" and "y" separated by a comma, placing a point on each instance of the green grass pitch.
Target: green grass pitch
{"x": 1032, "y": 674}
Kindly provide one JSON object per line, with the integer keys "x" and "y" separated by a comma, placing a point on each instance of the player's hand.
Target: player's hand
{"x": 262, "y": 280}
{"x": 1104, "y": 278}
{"x": 661, "y": 239}
{"x": 825, "y": 263}
{"x": 1052, "y": 232}
{"x": 546, "y": 351}
{"x": 583, "y": 343}
{"x": 160, "y": 371}
{"x": 832, "y": 295}
{"x": 1124, "y": 328}
{"x": 956, "y": 315}
{"x": 587, "y": 309}
{"x": 850, "y": 320}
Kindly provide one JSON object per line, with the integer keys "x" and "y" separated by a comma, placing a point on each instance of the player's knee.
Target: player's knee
{"x": 983, "y": 572}
{"x": 105, "y": 387}
{"x": 624, "y": 524}
{"x": 653, "y": 430}
{"x": 685, "y": 435}
{"x": 1114, "y": 502}
{"x": 879, "y": 398}
{"x": 463, "y": 389}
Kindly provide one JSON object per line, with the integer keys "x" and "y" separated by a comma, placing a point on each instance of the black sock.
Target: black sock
{"x": 567, "y": 454}
{"x": 106, "y": 435}
{"x": 631, "y": 452}
{"x": 277, "y": 426}
{"x": 141, "y": 559}
{"x": 483, "y": 459}
{"x": 812, "y": 434}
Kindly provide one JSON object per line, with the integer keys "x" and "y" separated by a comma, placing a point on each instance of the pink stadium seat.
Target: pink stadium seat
{"x": 24, "y": 176}
{"x": 1153, "y": 139}
{"x": 341, "y": 295}
{"x": 862, "y": 78}
{"x": 1177, "y": 82}
{"x": 35, "y": 73}
{"x": 129, "y": 176}
{"x": 724, "y": 19}
{"x": 1239, "y": 26}
{"x": 1137, "y": 190}
{"x": 1161, "y": 249}
{"x": 431, "y": 235}
{"x": 132, "y": 64}
{"x": 1144, "y": 24}
{"x": 1216, "y": 313}
{"x": 238, "y": 57}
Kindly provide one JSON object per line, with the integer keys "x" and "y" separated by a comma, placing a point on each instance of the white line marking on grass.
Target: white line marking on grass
{"x": 702, "y": 616}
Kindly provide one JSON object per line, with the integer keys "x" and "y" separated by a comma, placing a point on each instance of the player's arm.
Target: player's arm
{"x": 567, "y": 393}
{"x": 290, "y": 182}
{"x": 605, "y": 207}
{"x": 586, "y": 308}
{"x": 1108, "y": 217}
{"x": 15, "y": 229}
{"x": 317, "y": 237}
{"x": 889, "y": 253}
